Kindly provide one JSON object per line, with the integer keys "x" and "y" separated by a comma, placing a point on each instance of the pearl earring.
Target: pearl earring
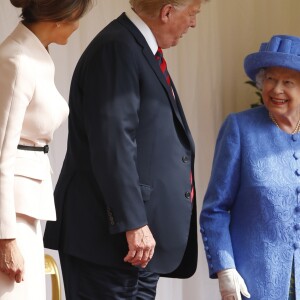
{"x": 57, "y": 25}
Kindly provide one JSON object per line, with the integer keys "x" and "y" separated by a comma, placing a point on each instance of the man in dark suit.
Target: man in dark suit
{"x": 126, "y": 207}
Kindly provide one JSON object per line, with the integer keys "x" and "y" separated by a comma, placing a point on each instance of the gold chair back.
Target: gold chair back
{"x": 51, "y": 269}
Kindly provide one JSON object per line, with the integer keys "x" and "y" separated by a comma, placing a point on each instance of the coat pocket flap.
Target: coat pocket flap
{"x": 31, "y": 168}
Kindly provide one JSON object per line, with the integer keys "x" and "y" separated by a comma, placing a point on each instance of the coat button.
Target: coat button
{"x": 297, "y": 172}
{"x": 297, "y": 245}
{"x": 296, "y": 155}
{"x": 185, "y": 159}
{"x": 294, "y": 137}
{"x": 188, "y": 195}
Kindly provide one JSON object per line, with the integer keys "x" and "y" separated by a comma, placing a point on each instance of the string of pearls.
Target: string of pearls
{"x": 296, "y": 130}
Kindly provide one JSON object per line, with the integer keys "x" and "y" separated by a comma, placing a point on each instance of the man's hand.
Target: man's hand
{"x": 11, "y": 260}
{"x": 141, "y": 246}
{"x": 232, "y": 285}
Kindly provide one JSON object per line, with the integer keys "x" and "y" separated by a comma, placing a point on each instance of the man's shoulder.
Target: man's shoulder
{"x": 118, "y": 32}
{"x": 116, "y": 39}
{"x": 120, "y": 28}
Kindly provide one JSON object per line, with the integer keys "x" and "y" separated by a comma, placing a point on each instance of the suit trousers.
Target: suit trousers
{"x": 30, "y": 242}
{"x": 88, "y": 281}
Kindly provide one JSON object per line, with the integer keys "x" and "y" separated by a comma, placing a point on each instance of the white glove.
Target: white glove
{"x": 231, "y": 285}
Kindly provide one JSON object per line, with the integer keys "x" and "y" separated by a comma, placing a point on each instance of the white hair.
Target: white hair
{"x": 259, "y": 78}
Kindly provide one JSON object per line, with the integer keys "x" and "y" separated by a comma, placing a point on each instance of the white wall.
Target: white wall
{"x": 207, "y": 68}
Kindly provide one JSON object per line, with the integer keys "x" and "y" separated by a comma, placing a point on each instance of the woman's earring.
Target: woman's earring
{"x": 57, "y": 25}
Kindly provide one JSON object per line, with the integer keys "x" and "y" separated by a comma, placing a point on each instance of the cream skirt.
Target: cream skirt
{"x": 30, "y": 243}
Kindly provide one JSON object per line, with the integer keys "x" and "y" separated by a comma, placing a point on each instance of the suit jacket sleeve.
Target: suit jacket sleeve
{"x": 16, "y": 89}
{"x": 219, "y": 197}
{"x": 112, "y": 100}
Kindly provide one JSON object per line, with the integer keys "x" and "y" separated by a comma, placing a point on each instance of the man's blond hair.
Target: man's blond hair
{"x": 152, "y": 7}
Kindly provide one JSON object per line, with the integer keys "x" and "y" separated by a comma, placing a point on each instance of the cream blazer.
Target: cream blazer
{"x": 31, "y": 109}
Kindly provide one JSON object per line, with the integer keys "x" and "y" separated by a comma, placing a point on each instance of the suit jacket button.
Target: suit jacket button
{"x": 188, "y": 195}
{"x": 185, "y": 159}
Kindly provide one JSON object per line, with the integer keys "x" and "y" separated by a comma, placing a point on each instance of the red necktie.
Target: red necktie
{"x": 163, "y": 66}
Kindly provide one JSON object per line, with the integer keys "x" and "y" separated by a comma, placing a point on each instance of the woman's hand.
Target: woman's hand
{"x": 232, "y": 285}
{"x": 11, "y": 260}
{"x": 141, "y": 246}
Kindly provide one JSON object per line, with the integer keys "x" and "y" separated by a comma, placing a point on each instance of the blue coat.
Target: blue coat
{"x": 250, "y": 218}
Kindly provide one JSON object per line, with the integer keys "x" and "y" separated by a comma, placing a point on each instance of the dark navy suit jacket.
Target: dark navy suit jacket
{"x": 129, "y": 157}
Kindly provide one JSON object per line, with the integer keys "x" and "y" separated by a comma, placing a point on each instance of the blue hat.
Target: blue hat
{"x": 280, "y": 51}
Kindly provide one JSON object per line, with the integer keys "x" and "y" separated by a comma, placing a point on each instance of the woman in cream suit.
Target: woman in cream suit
{"x": 31, "y": 109}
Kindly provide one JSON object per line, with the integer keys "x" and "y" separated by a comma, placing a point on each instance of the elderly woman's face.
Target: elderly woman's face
{"x": 281, "y": 90}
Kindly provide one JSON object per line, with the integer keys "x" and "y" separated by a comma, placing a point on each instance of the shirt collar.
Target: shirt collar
{"x": 144, "y": 29}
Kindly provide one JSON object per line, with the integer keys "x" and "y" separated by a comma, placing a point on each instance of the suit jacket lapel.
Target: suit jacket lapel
{"x": 155, "y": 66}
{"x": 183, "y": 119}
{"x": 156, "y": 69}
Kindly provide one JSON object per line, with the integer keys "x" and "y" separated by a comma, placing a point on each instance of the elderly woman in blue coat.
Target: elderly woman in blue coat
{"x": 250, "y": 220}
